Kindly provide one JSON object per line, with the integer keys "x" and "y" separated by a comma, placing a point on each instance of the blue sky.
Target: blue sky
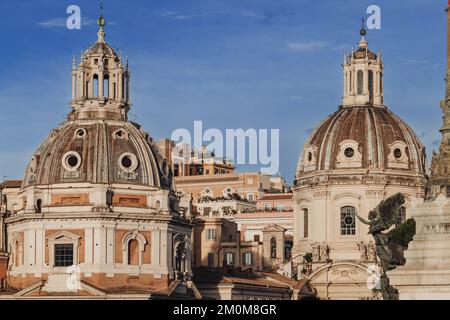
{"x": 230, "y": 63}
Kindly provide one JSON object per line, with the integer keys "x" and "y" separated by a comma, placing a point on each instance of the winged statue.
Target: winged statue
{"x": 390, "y": 245}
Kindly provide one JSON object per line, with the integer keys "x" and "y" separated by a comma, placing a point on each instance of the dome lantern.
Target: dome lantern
{"x": 100, "y": 83}
{"x": 363, "y": 76}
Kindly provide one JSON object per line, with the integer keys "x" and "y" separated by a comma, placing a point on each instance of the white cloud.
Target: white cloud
{"x": 61, "y": 22}
{"x": 308, "y": 46}
{"x": 177, "y": 16}
{"x": 254, "y": 15}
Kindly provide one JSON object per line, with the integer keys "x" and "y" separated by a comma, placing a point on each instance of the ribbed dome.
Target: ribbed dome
{"x": 100, "y": 48}
{"x": 99, "y": 152}
{"x": 362, "y": 137}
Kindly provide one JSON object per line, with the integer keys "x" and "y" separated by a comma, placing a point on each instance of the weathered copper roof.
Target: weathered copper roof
{"x": 374, "y": 129}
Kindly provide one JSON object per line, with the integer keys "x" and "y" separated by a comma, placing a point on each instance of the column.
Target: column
{"x": 88, "y": 249}
{"x": 100, "y": 85}
{"x": 74, "y": 85}
{"x": 128, "y": 87}
{"x": 110, "y": 246}
{"x": 156, "y": 247}
{"x": 97, "y": 243}
{"x": 120, "y": 86}
{"x": 40, "y": 247}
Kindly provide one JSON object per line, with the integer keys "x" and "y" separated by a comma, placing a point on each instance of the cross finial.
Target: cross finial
{"x": 101, "y": 20}
{"x": 363, "y": 31}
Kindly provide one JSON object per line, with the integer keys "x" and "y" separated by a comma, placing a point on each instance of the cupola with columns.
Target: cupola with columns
{"x": 100, "y": 83}
{"x": 363, "y": 76}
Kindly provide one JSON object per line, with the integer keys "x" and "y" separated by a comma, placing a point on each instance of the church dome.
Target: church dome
{"x": 362, "y": 137}
{"x": 362, "y": 133}
{"x": 102, "y": 152}
{"x": 97, "y": 144}
{"x": 101, "y": 48}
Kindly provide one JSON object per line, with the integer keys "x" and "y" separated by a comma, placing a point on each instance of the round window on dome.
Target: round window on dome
{"x": 80, "y": 133}
{"x": 128, "y": 162}
{"x": 120, "y": 134}
{"x": 310, "y": 156}
{"x": 349, "y": 152}
{"x": 71, "y": 161}
{"x": 398, "y": 153}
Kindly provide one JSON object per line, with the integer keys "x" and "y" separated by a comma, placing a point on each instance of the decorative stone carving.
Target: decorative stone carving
{"x": 371, "y": 252}
{"x": 324, "y": 252}
{"x": 363, "y": 251}
{"x": 315, "y": 252}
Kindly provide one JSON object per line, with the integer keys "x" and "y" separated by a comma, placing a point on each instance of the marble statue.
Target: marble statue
{"x": 324, "y": 252}
{"x": 363, "y": 251}
{"x": 315, "y": 252}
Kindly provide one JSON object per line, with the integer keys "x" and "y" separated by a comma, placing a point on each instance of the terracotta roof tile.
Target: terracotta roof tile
{"x": 11, "y": 184}
{"x": 234, "y": 276}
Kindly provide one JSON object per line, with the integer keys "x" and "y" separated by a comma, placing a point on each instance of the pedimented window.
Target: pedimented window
{"x": 310, "y": 158}
{"x": 349, "y": 155}
{"x": 120, "y": 134}
{"x": 398, "y": 155}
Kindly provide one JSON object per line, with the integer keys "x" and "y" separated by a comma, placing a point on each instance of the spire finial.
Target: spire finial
{"x": 363, "y": 31}
{"x": 101, "y": 23}
{"x": 101, "y": 20}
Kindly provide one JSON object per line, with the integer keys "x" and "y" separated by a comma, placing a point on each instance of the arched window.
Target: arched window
{"x": 95, "y": 86}
{"x": 371, "y": 84}
{"x": 348, "y": 221}
{"x": 133, "y": 252}
{"x": 381, "y": 82}
{"x": 106, "y": 86}
{"x": 273, "y": 248}
{"x": 351, "y": 81}
{"x": 305, "y": 223}
{"x": 133, "y": 248}
{"x": 39, "y": 206}
{"x": 360, "y": 79}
